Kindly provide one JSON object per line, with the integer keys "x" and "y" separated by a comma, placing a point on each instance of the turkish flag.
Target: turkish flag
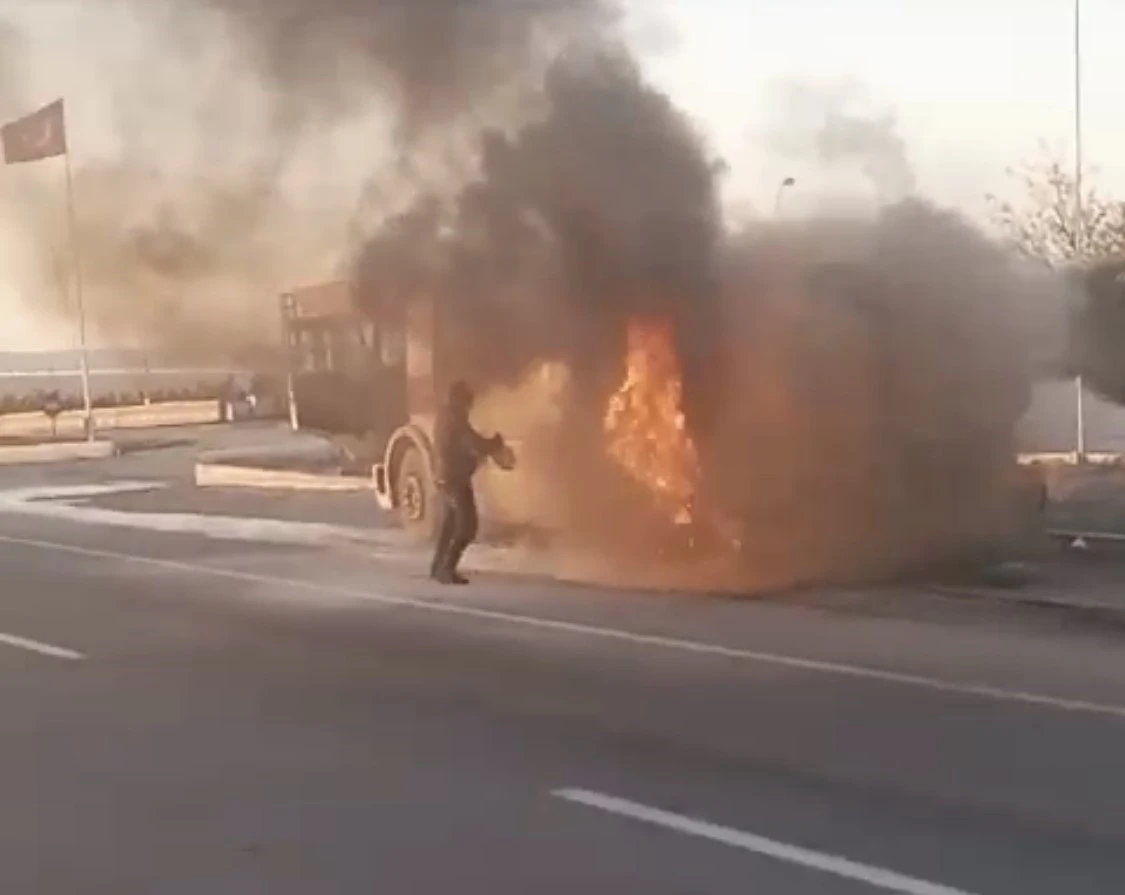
{"x": 36, "y": 136}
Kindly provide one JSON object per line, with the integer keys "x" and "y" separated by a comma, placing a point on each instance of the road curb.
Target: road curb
{"x": 226, "y": 475}
{"x": 1089, "y": 608}
{"x": 56, "y": 452}
{"x": 139, "y": 416}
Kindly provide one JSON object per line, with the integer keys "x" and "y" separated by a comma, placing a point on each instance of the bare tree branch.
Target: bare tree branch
{"x": 1042, "y": 226}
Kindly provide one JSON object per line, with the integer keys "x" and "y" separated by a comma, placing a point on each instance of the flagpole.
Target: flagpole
{"x": 76, "y": 254}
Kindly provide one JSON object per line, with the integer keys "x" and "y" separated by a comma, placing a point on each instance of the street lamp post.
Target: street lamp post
{"x": 781, "y": 187}
{"x": 1078, "y": 224}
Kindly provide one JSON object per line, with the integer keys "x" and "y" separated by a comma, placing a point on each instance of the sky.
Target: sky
{"x": 973, "y": 87}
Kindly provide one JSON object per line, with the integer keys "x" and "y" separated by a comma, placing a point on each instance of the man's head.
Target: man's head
{"x": 460, "y": 395}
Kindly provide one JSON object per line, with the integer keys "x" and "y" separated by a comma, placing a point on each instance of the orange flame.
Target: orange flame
{"x": 644, "y": 422}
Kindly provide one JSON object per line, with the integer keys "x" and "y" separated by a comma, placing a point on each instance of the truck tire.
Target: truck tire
{"x": 416, "y": 497}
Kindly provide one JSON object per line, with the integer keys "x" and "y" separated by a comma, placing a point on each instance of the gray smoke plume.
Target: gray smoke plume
{"x": 429, "y": 61}
{"x": 602, "y": 209}
{"x": 11, "y": 59}
{"x": 1098, "y": 326}
{"x": 853, "y": 384}
{"x": 246, "y": 131}
{"x": 877, "y": 370}
{"x": 180, "y": 267}
{"x": 832, "y": 123}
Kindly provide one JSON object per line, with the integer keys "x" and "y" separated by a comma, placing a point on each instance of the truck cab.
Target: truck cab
{"x": 368, "y": 382}
{"x": 343, "y": 369}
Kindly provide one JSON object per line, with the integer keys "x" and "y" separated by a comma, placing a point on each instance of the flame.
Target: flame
{"x": 644, "y": 421}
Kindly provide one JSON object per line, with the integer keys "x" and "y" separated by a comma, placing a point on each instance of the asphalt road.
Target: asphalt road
{"x": 185, "y": 714}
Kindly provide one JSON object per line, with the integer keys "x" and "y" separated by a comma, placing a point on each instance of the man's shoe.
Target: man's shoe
{"x": 458, "y": 578}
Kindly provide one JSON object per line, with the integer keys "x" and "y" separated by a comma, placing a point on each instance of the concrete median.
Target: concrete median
{"x": 56, "y": 452}
{"x": 222, "y": 475}
{"x": 140, "y": 416}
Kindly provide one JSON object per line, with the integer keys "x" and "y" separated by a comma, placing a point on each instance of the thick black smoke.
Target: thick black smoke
{"x": 852, "y": 384}
{"x": 430, "y": 61}
{"x": 1098, "y": 329}
{"x": 603, "y": 209}
{"x": 877, "y": 370}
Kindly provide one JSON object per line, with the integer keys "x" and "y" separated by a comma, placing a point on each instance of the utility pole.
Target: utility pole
{"x": 781, "y": 187}
{"x": 1078, "y": 224}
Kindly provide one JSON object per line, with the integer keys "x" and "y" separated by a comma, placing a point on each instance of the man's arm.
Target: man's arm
{"x": 482, "y": 447}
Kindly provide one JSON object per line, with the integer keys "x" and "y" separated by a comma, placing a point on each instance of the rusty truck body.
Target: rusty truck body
{"x": 371, "y": 383}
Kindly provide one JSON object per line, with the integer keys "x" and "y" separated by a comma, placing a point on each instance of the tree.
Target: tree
{"x": 1043, "y": 227}
{"x": 1048, "y": 226}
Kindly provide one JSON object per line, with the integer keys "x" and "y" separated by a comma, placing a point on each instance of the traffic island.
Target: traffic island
{"x": 313, "y": 466}
{"x": 70, "y": 425}
{"x": 18, "y": 451}
{"x": 230, "y": 475}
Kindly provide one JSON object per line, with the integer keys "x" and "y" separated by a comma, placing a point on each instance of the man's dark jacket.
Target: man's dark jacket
{"x": 459, "y": 448}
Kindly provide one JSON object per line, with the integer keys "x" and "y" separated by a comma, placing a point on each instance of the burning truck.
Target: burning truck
{"x": 844, "y": 440}
{"x": 373, "y": 383}
{"x": 823, "y": 398}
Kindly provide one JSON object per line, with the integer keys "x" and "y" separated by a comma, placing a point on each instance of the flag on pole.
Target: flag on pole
{"x": 36, "y": 136}
{"x": 42, "y": 135}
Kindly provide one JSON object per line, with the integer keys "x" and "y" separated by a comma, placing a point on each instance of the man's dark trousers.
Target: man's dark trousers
{"x": 459, "y": 525}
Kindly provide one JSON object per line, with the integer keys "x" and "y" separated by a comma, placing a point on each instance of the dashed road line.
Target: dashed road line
{"x": 876, "y": 877}
{"x": 37, "y": 646}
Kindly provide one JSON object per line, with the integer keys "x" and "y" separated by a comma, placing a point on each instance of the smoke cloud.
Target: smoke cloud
{"x": 252, "y": 138}
{"x": 11, "y": 56}
{"x": 1098, "y": 325}
{"x": 878, "y": 368}
{"x": 432, "y": 60}
{"x": 852, "y": 383}
{"x": 603, "y": 208}
{"x": 833, "y": 124}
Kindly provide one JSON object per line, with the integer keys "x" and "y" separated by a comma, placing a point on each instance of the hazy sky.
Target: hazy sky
{"x": 973, "y": 84}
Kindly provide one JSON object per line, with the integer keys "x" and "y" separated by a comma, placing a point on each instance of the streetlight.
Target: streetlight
{"x": 781, "y": 187}
{"x": 1078, "y": 224}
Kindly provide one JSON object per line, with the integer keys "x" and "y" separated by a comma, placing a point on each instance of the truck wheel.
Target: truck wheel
{"x": 416, "y": 497}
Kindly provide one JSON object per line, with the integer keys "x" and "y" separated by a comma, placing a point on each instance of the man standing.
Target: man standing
{"x": 459, "y": 451}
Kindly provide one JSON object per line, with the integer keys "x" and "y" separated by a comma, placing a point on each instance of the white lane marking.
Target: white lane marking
{"x": 79, "y": 491}
{"x": 887, "y": 880}
{"x": 44, "y": 649}
{"x": 839, "y": 669}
